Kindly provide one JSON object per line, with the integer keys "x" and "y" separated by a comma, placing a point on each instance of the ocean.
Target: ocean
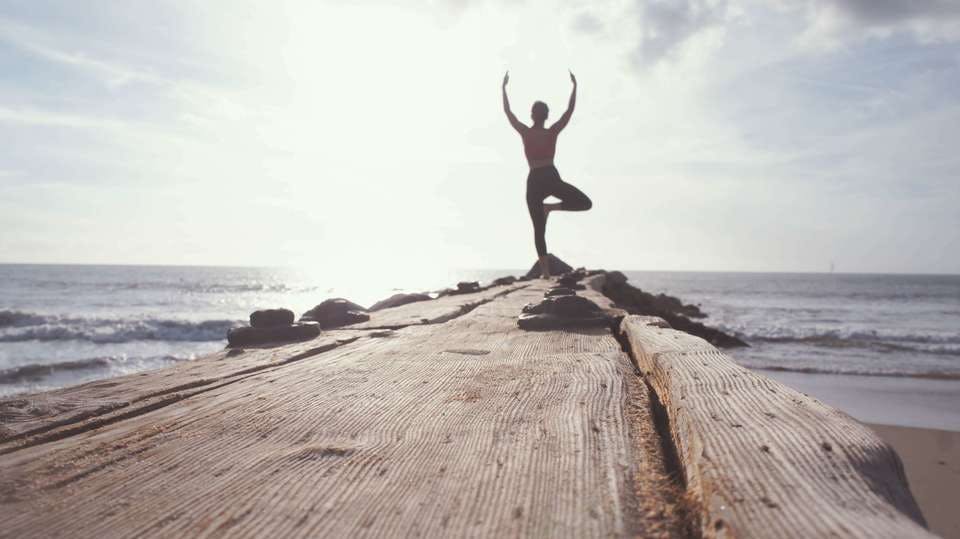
{"x": 64, "y": 324}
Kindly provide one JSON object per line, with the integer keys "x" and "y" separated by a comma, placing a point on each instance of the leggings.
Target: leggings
{"x": 541, "y": 183}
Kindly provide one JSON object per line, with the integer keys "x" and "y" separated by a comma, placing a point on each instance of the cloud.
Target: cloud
{"x": 666, "y": 25}
{"x": 32, "y": 42}
{"x": 587, "y": 23}
{"x": 893, "y": 11}
{"x": 836, "y": 23}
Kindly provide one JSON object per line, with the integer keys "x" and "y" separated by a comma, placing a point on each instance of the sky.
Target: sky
{"x": 726, "y": 135}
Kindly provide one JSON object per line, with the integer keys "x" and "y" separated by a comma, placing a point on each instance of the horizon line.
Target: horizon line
{"x": 786, "y": 272}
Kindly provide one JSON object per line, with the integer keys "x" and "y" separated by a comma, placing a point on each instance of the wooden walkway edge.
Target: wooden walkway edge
{"x": 469, "y": 427}
{"x": 764, "y": 460}
{"x": 441, "y": 418}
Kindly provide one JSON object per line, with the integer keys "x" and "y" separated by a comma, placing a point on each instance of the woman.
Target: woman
{"x": 540, "y": 145}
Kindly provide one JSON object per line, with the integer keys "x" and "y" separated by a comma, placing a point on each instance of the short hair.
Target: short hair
{"x": 540, "y": 110}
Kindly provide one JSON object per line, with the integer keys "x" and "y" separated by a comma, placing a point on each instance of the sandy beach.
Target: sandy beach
{"x": 884, "y": 400}
{"x": 931, "y": 458}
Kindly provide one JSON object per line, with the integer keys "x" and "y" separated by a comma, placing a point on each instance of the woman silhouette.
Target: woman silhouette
{"x": 540, "y": 145}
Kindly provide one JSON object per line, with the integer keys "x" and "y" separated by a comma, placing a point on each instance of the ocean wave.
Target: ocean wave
{"x": 192, "y": 287}
{"x": 17, "y": 326}
{"x": 19, "y": 319}
{"x": 32, "y": 373}
{"x": 933, "y": 375}
{"x": 206, "y": 288}
{"x": 884, "y": 341}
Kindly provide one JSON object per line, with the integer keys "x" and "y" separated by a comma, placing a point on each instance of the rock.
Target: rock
{"x": 535, "y": 322}
{"x": 562, "y": 311}
{"x": 271, "y": 318}
{"x": 571, "y": 281}
{"x": 571, "y": 284}
{"x": 463, "y": 287}
{"x": 539, "y": 307}
{"x": 671, "y": 309}
{"x": 616, "y": 278}
{"x": 509, "y": 279}
{"x": 559, "y": 291}
{"x": 557, "y": 267}
{"x": 467, "y": 287}
{"x": 248, "y": 335}
{"x": 573, "y": 277}
{"x": 573, "y": 306}
{"x": 336, "y": 312}
{"x": 397, "y": 300}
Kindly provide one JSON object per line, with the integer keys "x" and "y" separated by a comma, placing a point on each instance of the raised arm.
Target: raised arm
{"x": 562, "y": 122}
{"x": 506, "y": 107}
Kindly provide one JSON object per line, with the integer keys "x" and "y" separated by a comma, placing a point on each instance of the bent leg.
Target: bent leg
{"x": 571, "y": 198}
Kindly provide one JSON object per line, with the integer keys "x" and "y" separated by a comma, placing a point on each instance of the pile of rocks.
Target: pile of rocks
{"x": 336, "y": 312}
{"x": 270, "y": 326}
{"x": 560, "y": 308}
{"x": 273, "y": 326}
{"x": 675, "y": 312}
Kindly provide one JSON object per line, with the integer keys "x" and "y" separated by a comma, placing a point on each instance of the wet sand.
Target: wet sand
{"x": 931, "y": 458}
{"x": 883, "y": 400}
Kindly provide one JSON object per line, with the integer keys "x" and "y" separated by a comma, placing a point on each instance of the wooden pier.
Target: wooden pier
{"x": 442, "y": 418}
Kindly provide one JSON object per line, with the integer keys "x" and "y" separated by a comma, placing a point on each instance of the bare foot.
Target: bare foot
{"x": 544, "y": 267}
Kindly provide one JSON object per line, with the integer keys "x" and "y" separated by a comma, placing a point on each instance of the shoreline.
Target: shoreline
{"x": 923, "y": 403}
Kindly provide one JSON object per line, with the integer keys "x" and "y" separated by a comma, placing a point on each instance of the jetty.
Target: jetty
{"x": 443, "y": 418}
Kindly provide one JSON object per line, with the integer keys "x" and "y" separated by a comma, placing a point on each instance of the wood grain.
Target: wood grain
{"x": 435, "y": 311}
{"x": 35, "y": 418}
{"x": 763, "y": 459}
{"x": 468, "y": 428}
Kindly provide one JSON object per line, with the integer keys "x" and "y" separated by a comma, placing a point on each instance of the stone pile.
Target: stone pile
{"x": 271, "y": 326}
{"x": 336, "y": 312}
{"x": 561, "y": 308}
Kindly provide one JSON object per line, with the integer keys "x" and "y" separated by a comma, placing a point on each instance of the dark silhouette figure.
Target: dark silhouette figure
{"x": 540, "y": 145}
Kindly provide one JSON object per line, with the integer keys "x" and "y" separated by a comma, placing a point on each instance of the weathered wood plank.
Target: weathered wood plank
{"x": 765, "y": 460}
{"x": 435, "y": 311}
{"x": 472, "y": 427}
{"x": 69, "y": 409}
{"x": 37, "y": 417}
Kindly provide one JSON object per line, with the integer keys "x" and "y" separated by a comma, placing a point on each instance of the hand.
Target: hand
{"x": 573, "y": 78}
{"x": 506, "y": 79}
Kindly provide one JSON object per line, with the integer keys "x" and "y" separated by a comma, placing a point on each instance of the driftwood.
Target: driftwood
{"x": 763, "y": 459}
{"x": 468, "y": 428}
{"x": 452, "y": 423}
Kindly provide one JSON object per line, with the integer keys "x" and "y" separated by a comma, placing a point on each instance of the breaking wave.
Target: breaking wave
{"x": 17, "y": 326}
{"x": 30, "y": 373}
{"x": 882, "y": 341}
